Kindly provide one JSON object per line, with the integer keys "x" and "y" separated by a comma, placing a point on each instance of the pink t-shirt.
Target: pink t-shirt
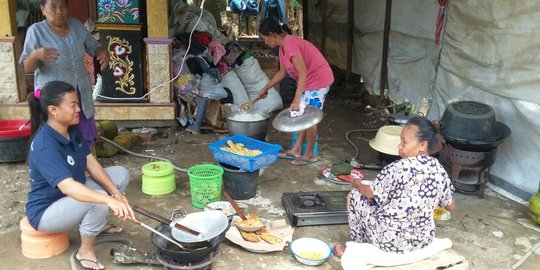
{"x": 319, "y": 74}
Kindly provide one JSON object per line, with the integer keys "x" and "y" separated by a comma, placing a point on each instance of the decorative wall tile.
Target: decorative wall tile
{"x": 118, "y": 11}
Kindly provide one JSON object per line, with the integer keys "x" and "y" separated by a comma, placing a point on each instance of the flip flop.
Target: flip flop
{"x": 96, "y": 262}
{"x": 107, "y": 230}
{"x": 303, "y": 162}
{"x": 287, "y": 155}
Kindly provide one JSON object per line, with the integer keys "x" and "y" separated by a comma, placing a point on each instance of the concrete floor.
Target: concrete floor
{"x": 484, "y": 231}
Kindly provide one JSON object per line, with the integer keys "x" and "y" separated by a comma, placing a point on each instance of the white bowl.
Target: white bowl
{"x": 310, "y": 251}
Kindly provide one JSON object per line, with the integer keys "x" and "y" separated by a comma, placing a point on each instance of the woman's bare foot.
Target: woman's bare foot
{"x": 339, "y": 249}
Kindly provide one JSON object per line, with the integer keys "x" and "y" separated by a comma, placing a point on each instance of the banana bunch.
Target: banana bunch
{"x": 240, "y": 149}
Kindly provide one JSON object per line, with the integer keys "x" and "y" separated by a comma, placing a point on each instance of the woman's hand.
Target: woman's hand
{"x": 49, "y": 55}
{"x": 119, "y": 196}
{"x": 262, "y": 94}
{"x": 103, "y": 58}
{"x": 295, "y": 105}
{"x": 121, "y": 208}
{"x": 365, "y": 190}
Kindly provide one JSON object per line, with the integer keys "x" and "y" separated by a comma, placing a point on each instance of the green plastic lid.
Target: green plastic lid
{"x": 157, "y": 168}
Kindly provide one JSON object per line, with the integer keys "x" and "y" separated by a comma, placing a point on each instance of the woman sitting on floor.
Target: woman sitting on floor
{"x": 396, "y": 212}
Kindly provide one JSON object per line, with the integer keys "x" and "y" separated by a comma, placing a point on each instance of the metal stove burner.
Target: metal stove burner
{"x": 311, "y": 201}
{"x": 477, "y": 162}
{"x": 171, "y": 263}
{"x": 316, "y": 208}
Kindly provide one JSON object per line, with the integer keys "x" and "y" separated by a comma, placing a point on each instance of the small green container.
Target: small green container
{"x": 158, "y": 178}
{"x": 205, "y": 182}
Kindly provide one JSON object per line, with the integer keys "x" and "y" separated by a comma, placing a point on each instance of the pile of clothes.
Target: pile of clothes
{"x": 214, "y": 74}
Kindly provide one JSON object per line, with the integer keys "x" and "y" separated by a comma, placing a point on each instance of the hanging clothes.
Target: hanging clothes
{"x": 277, "y": 8}
{"x": 440, "y": 21}
{"x": 245, "y": 7}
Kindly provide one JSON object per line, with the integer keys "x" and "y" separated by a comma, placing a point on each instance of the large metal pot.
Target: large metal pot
{"x": 241, "y": 123}
{"x": 471, "y": 125}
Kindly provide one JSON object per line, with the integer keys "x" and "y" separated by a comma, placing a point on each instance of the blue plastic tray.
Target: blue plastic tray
{"x": 251, "y": 164}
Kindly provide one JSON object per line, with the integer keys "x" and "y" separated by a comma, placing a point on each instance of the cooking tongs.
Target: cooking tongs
{"x": 164, "y": 220}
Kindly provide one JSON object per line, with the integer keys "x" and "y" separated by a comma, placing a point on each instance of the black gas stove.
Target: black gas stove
{"x": 316, "y": 208}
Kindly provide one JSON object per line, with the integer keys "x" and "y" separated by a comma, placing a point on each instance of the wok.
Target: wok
{"x": 170, "y": 250}
{"x": 209, "y": 225}
{"x": 479, "y": 146}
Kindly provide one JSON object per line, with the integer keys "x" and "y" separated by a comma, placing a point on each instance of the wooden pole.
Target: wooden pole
{"x": 324, "y": 19}
{"x": 305, "y": 20}
{"x": 384, "y": 61}
{"x": 350, "y": 34}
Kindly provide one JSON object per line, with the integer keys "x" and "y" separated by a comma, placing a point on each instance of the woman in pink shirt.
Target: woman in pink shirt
{"x": 306, "y": 65}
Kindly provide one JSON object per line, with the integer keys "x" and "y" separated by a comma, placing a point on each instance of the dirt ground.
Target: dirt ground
{"x": 487, "y": 232}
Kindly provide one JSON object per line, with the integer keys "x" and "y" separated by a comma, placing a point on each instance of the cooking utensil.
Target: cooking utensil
{"x": 472, "y": 121}
{"x": 164, "y": 220}
{"x": 239, "y": 211}
{"x": 248, "y": 104}
{"x": 256, "y": 128}
{"x": 186, "y": 255}
{"x": 157, "y": 232}
{"x": 240, "y": 214}
{"x": 285, "y": 123}
{"x": 210, "y": 224}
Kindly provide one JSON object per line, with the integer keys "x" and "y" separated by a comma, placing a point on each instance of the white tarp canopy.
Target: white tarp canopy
{"x": 489, "y": 52}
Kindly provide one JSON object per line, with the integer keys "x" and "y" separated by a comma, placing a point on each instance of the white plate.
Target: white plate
{"x": 220, "y": 206}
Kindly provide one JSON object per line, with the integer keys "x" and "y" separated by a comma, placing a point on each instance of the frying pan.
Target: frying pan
{"x": 209, "y": 225}
{"x": 172, "y": 251}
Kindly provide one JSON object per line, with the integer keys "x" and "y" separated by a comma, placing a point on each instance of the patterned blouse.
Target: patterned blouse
{"x": 400, "y": 216}
{"x": 69, "y": 67}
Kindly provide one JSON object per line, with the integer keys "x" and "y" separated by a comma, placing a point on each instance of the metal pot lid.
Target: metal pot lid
{"x": 210, "y": 224}
{"x": 285, "y": 123}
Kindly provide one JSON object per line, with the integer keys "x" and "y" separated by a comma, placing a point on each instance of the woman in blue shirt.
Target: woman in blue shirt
{"x": 62, "y": 195}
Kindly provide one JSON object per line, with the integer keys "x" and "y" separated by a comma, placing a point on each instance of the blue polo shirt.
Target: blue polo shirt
{"x": 52, "y": 159}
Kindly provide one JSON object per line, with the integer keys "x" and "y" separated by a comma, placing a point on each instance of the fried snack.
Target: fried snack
{"x": 251, "y": 221}
{"x": 261, "y": 231}
{"x": 250, "y": 237}
{"x": 270, "y": 238}
{"x": 240, "y": 149}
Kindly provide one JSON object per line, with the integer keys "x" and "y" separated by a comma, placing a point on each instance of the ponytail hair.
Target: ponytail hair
{"x": 272, "y": 25}
{"x": 52, "y": 93}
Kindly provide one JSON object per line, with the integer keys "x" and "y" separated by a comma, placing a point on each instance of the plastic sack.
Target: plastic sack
{"x": 254, "y": 79}
{"x": 209, "y": 87}
{"x": 231, "y": 81}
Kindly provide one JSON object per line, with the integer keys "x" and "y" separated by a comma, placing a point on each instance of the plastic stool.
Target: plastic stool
{"x": 41, "y": 245}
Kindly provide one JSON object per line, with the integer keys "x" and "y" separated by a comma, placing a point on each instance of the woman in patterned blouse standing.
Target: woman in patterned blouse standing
{"x": 396, "y": 212}
{"x": 54, "y": 50}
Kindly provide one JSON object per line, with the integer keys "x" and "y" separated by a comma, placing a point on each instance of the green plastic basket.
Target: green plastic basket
{"x": 205, "y": 182}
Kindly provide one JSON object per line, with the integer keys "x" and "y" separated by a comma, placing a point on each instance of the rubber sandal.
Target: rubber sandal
{"x": 96, "y": 262}
{"x": 303, "y": 162}
{"x": 107, "y": 230}
{"x": 286, "y": 155}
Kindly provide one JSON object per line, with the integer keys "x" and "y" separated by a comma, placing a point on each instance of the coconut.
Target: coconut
{"x": 105, "y": 149}
{"x": 110, "y": 129}
{"x": 126, "y": 140}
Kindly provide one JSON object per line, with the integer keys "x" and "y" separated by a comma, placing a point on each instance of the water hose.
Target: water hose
{"x": 142, "y": 155}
